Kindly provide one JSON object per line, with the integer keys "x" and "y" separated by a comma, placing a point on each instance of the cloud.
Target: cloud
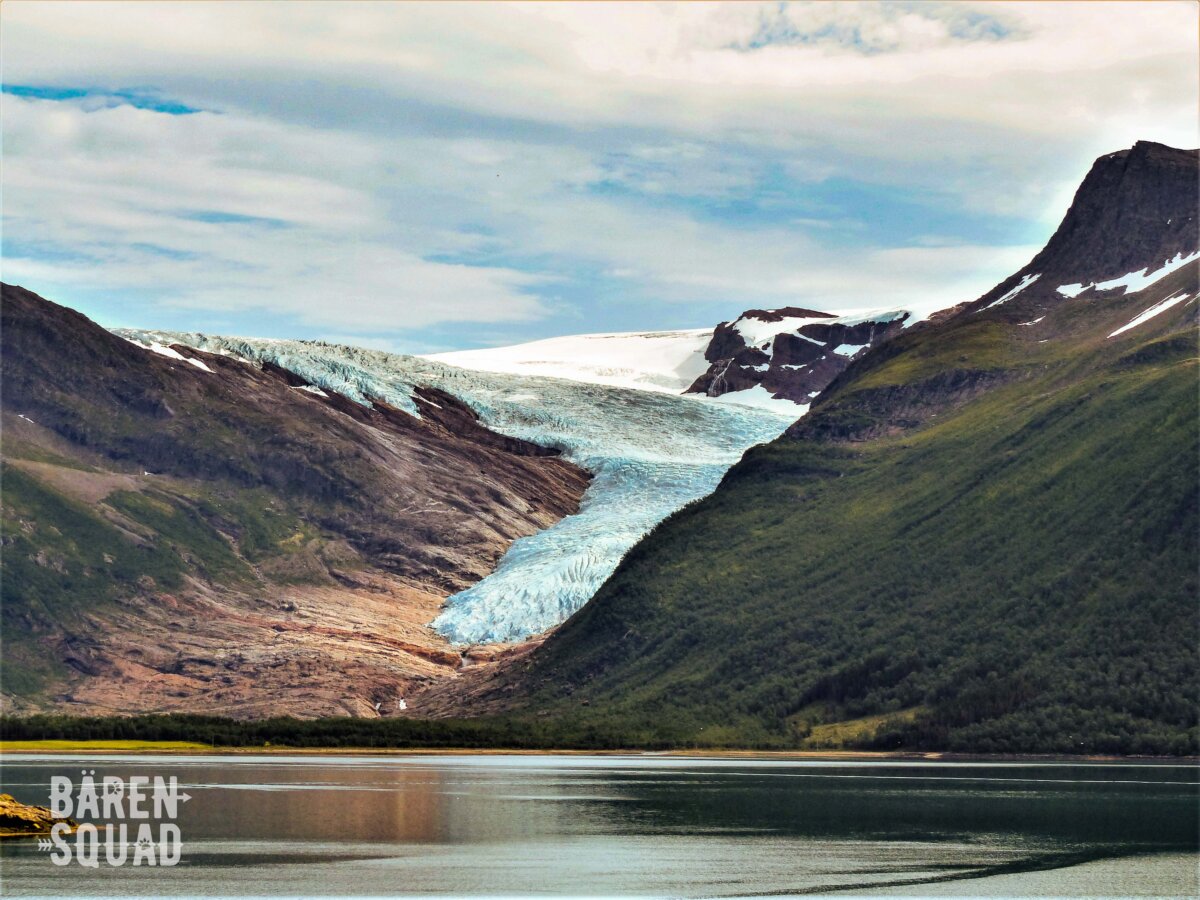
{"x": 393, "y": 167}
{"x": 225, "y": 213}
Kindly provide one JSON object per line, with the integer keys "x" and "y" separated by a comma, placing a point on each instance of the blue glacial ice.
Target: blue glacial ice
{"x": 650, "y": 454}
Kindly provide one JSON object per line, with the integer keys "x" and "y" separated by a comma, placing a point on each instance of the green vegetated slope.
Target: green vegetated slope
{"x": 984, "y": 538}
{"x": 69, "y": 563}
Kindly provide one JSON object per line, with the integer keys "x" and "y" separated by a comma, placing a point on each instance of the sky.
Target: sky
{"x": 420, "y": 177}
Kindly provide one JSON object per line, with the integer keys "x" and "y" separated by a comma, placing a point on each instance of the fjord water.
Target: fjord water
{"x": 641, "y": 825}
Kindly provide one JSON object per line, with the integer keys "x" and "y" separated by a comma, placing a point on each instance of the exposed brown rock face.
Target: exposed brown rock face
{"x": 18, "y": 818}
{"x": 321, "y": 535}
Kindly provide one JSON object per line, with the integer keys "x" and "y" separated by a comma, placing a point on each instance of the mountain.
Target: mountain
{"x": 183, "y": 530}
{"x": 772, "y": 358}
{"x": 983, "y": 537}
{"x": 791, "y": 353}
{"x": 1133, "y": 221}
{"x": 648, "y": 452}
{"x": 261, "y": 527}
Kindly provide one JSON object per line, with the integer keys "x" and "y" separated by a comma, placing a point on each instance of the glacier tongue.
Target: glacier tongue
{"x": 650, "y": 454}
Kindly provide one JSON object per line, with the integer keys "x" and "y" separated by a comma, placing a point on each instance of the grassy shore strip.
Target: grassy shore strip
{"x": 150, "y": 748}
{"x": 52, "y": 746}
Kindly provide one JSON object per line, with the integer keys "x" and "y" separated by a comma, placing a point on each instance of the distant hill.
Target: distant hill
{"x": 983, "y": 537}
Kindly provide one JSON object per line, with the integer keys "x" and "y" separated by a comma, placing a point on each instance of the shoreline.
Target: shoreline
{"x": 181, "y": 748}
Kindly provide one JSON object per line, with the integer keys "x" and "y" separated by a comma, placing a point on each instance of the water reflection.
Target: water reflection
{"x": 633, "y": 825}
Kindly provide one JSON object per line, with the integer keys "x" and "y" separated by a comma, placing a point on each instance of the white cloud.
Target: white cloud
{"x": 127, "y": 191}
{"x": 388, "y": 145}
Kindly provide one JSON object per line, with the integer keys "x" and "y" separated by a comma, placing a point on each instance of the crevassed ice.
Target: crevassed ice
{"x": 650, "y": 454}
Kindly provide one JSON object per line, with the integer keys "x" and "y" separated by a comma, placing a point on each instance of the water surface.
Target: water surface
{"x": 641, "y": 826}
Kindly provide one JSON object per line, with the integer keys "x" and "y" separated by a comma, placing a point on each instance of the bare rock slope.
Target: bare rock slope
{"x": 185, "y": 530}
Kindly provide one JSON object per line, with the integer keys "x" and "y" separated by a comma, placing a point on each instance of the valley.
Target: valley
{"x": 648, "y": 454}
{"x": 969, "y": 529}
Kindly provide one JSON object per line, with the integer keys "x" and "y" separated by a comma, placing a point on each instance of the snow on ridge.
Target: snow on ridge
{"x": 758, "y": 332}
{"x": 884, "y": 314}
{"x": 1025, "y": 282}
{"x": 1146, "y": 315}
{"x": 667, "y": 362}
{"x": 1132, "y": 282}
{"x": 333, "y": 368}
{"x": 164, "y": 350}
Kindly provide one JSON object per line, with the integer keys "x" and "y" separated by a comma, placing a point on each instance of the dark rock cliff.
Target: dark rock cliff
{"x": 797, "y": 360}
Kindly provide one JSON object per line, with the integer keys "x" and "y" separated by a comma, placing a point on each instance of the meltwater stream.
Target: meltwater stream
{"x": 650, "y": 454}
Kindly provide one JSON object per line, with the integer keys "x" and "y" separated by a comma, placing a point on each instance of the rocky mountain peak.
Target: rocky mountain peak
{"x": 1135, "y": 209}
{"x": 790, "y": 353}
{"x": 1134, "y": 212}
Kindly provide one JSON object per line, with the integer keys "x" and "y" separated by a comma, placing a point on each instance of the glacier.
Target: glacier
{"x": 650, "y": 454}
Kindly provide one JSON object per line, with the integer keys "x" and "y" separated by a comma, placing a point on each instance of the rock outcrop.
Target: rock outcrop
{"x": 792, "y": 353}
{"x": 19, "y": 819}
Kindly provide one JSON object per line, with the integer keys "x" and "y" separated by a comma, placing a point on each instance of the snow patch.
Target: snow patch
{"x": 1133, "y": 281}
{"x": 849, "y": 349}
{"x": 759, "y": 397}
{"x": 164, "y": 350}
{"x": 311, "y": 389}
{"x": 1137, "y": 281}
{"x": 1161, "y": 306}
{"x": 759, "y": 333}
{"x": 665, "y": 361}
{"x": 1025, "y": 282}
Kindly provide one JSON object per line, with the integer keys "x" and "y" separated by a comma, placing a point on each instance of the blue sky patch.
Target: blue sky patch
{"x": 138, "y": 98}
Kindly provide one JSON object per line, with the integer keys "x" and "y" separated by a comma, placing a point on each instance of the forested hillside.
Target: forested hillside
{"x": 983, "y": 538}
